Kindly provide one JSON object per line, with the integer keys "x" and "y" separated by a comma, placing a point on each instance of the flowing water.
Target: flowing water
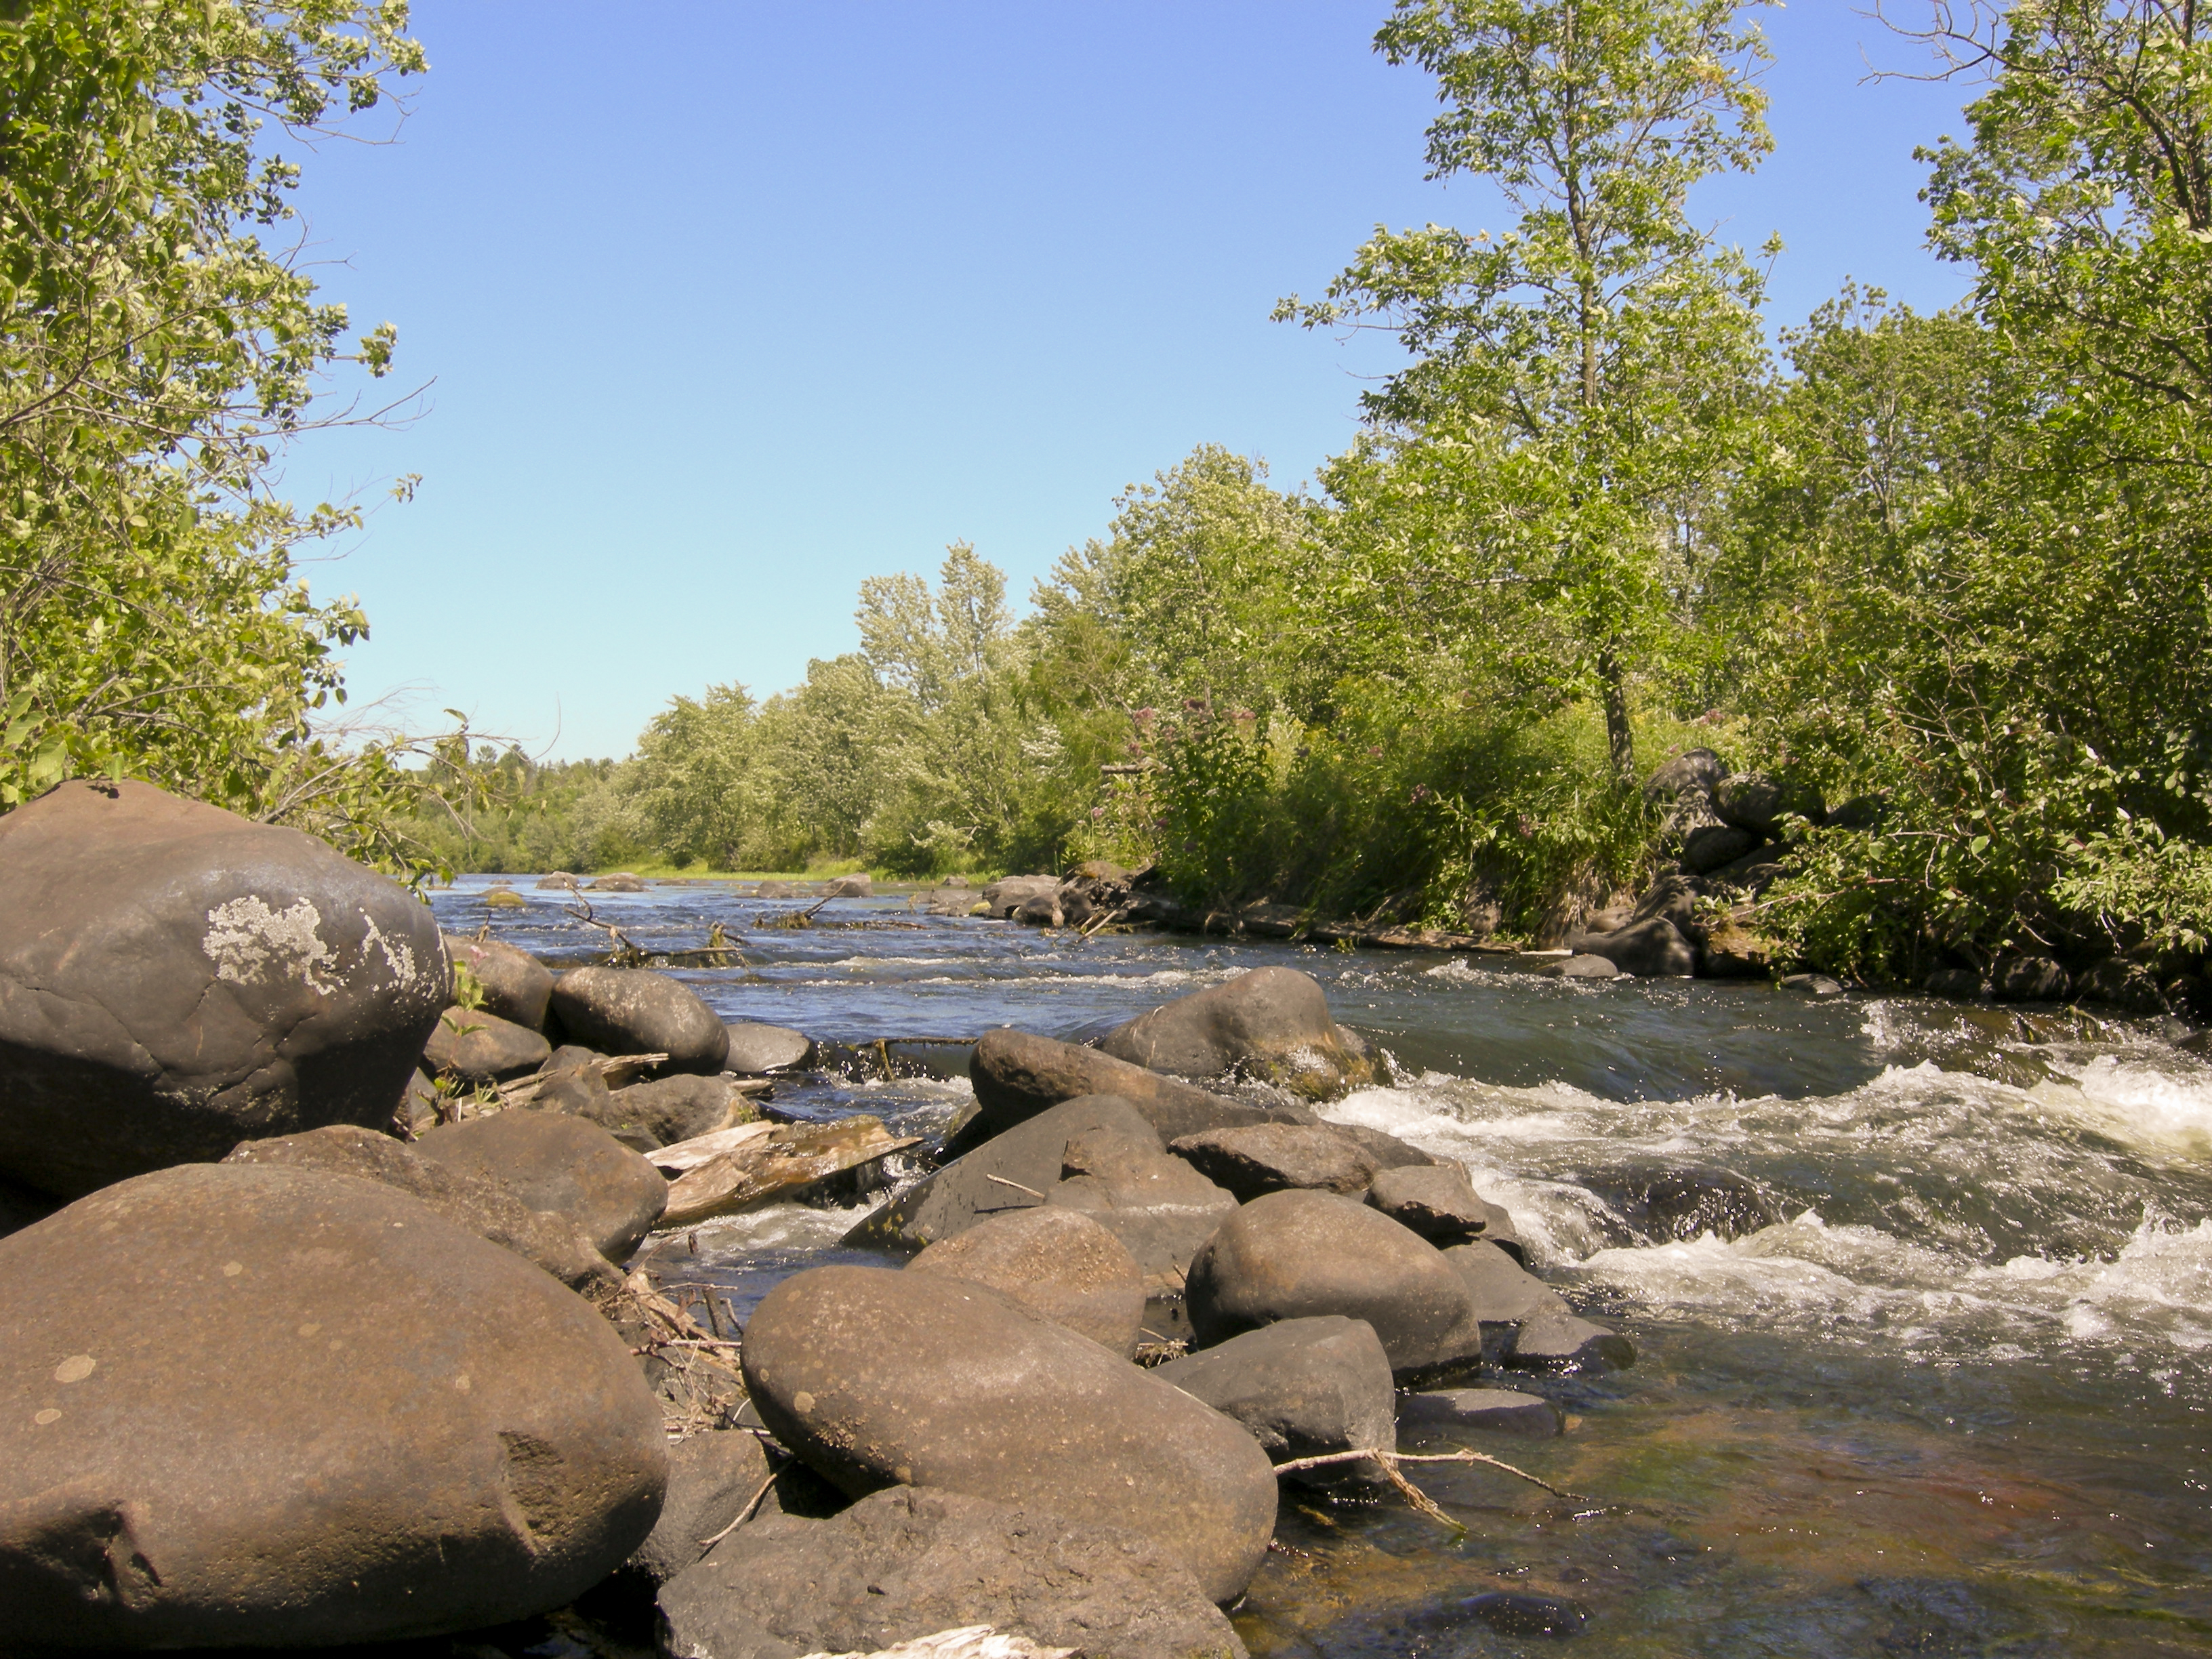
{"x": 1937, "y": 1383}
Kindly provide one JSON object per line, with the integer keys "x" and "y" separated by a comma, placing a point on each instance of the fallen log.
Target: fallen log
{"x": 775, "y": 1167}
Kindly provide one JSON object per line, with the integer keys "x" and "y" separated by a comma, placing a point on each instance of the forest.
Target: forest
{"x": 1945, "y": 579}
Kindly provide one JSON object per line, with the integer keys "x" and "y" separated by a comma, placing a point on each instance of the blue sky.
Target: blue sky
{"x": 729, "y": 306}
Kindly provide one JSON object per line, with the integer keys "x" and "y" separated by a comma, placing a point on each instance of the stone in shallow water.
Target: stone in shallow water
{"x": 1305, "y": 1387}
{"x": 1493, "y": 1411}
{"x": 755, "y": 1049}
{"x": 1271, "y": 1024}
{"x": 280, "y": 1408}
{"x": 634, "y": 1011}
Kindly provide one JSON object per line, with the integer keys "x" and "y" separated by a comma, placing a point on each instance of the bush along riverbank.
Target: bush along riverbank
{"x": 347, "y": 1350}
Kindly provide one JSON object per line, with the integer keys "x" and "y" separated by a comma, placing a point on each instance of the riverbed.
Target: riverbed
{"x": 1943, "y": 1392}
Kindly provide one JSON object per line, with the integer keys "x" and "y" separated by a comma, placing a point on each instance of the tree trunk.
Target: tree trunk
{"x": 1619, "y": 741}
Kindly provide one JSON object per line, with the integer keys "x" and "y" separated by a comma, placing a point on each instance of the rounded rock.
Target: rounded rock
{"x": 1057, "y": 1262}
{"x": 634, "y": 1011}
{"x": 515, "y": 984}
{"x": 553, "y": 1161}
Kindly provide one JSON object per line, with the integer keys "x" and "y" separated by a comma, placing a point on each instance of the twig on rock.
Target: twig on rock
{"x": 1019, "y": 1187}
{"x": 744, "y": 1516}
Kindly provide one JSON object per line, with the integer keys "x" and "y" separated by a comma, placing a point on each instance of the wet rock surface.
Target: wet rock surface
{"x": 909, "y": 1563}
{"x": 415, "y": 1430}
{"x": 1482, "y": 1410}
{"x": 755, "y": 1050}
{"x": 175, "y": 979}
{"x": 875, "y": 1376}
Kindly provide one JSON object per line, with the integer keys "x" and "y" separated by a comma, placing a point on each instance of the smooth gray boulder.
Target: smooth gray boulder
{"x": 1274, "y": 1157}
{"x": 1558, "y": 1339}
{"x": 711, "y": 1477}
{"x": 1016, "y": 1075}
{"x": 1271, "y": 1024}
{"x": 553, "y": 1162}
{"x": 516, "y": 986}
{"x": 1438, "y": 1201}
{"x": 848, "y": 887}
{"x": 175, "y": 979}
{"x": 666, "y": 1109}
{"x": 874, "y": 1376}
{"x": 272, "y": 1407}
{"x": 1595, "y": 969}
{"x": 477, "y": 1048}
{"x": 1055, "y": 1262}
{"x": 1486, "y": 1411}
{"x": 1652, "y": 949}
{"x": 907, "y": 1563}
{"x": 467, "y": 1200}
{"x": 1160, "y": 1208}
{"x": 755, "y": 1050}
{"x": 1297, "y": 1254}
{"x": 1305, "y": 1387}
{"x": 634, "y": 1011}
{"x": 1503, "y": 1291}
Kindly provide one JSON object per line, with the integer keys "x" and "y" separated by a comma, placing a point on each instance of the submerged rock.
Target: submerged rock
{"x": 1682, "y": 1201}
{"x": 634, "y": 1011}
{"x": 1485, "y": 1411}
{"x": 875, "y": 1376}
{"x": 1297, "y": 1254}
{"x": 279, "y": 1408}
{"x": 1305, "y": 1387}
{"x": 550, "y": 1162}
{"x": 1055, "y": 1262}
{"x": 907, "y": 1563}
{"x": 175, "y": 979}
{"x": 1271, "y": 1024}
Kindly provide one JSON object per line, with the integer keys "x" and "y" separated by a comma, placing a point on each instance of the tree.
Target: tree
{"x": 155, "y": 355}
{"x": 1579, "y": 379}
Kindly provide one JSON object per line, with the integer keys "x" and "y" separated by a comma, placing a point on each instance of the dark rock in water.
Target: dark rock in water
{"x": 551, "y": 1162}
{"x": 2028, "y": 979}
{"x": 670, "y": 1110}
{"x": 1557, "y": 1338}
{"x": 776, "y": 889}
{"x": 1040, "y": 910}
{"x": 1009, "y": 1172}
{"x": 1294, "y": 1256}
{"x": 1274, "y": 1157}
{"x": 175, "y": 979}
{"x": 559, "y": 878}
{"x": 755, "y": 1050}
{"x": 634, "y": 1011}
{"x": 1654, "y": 949}
{"x": 1058, "y": 1262}
{"x": 1438, "y": 1201}
{"x": 1009, "y": 893}
{"x": 516, "y": 985}
{"x": 1683, "y": 1201}
{"x": 1016, "y": 1075}
{"x": 848, "y": 887}
{"x": 467, "y": 1200}
{"x": 875, "y": 1376}
{"x": 621, "y": 882}
{"x": 278, "y": 1408}
{"x": 1271, "y": 1024}
{"x": 1811, "y": 984}
{"x": 1159, "y": 1207}
{"x": 1694, "y": 771}
{"x": 711, "y": 1479}
{"x": 1583, "y": 967}
{"x": 1487, "y": 1411}
{"x": 479, "y": 1048}
{"x": 905, "y": 1564}
{"x": 1963, "y": 983}
{"x": 2124, "y": 984}
{"x": 1501, "y": 1290}
{"x": 1304, "y": 1388}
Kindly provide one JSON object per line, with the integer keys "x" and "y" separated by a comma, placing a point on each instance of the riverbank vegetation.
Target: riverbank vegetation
{"x": 1951, "y": 569}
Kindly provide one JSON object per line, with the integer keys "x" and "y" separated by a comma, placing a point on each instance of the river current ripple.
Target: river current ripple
{"x": 1953, "y": 1401}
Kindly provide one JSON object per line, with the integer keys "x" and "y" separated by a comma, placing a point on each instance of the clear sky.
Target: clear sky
{"x": 728, "y": 306}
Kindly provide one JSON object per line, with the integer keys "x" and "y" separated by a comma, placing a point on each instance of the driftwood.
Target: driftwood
{"x": 774, "y": 1167}
{"x": 688, "y": 1155}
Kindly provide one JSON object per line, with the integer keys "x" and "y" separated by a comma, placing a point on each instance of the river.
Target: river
{"x": 1944, "y": 1392}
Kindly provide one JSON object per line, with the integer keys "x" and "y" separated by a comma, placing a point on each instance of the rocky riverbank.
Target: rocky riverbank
{"x": 350, "y": 1350}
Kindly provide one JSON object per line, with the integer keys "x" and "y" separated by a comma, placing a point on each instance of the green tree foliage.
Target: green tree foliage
{"x": 157, "y": 349}
{"x": 1578, "y": 379}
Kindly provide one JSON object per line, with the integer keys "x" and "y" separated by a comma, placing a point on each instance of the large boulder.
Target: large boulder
{"x": 755, "y": 1050}
{"x": 1297, "y": 1254}
{"x": 667, "y": 1109}
{"x": 1055, "y": 1262}
{"x": 1654, "y": 949}
{"x": 469, "y": 1200}
{"x": 479, "y": 1048}
{"x": 1009, "y": 893}
{"x": 1159, "y": 1207}
{"x": 906, "y": 1563}
{"x": 875, "y": 1377}
{"x": 551, "y": 1162}
{"x": 1304, "y": 1388}
{"x": 276, "y": 1408}
{"x": 175, "y": 979}
{"x": 634, "y": 1011}
{"x": 1438, "y": 1201}
{"x": 1017, "y": 1075}
{"x": 1271, "y": 1024}
{"x": 1274, "y": 1157}
{"x": 516, "y": 986}
{"x": 848, "y": 887}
